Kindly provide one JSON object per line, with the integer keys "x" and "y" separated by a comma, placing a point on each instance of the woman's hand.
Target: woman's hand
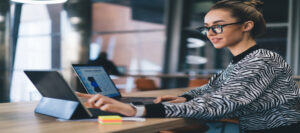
{"x": 108, "y": 104}
{"x": 170, "y": 98}
{"x": 84, "y": 95}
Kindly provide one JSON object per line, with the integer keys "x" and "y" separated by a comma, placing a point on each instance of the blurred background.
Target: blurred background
{"x": 152, "y": 42}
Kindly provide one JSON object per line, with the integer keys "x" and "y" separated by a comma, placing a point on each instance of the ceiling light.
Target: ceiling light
{"x": 39, "y": 1}
{"x": 2, "y": 19}
{"x": 75, "y": 20}
{"x": 195, "y": 43}
{"x": 196, "y": 60}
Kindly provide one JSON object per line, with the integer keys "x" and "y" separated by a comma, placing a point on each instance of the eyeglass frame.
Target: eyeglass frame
{"x": 212, "y": 27}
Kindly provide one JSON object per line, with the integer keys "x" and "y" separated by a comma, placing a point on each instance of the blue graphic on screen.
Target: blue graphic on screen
{"x": 94, "y": 84}
{"x": 95, "y": 80}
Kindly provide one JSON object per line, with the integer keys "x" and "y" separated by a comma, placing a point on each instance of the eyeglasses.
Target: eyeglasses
{"x": 218, "y": 29}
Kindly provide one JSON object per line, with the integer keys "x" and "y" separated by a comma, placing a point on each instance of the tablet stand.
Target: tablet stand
{"x": 60, "y": 108}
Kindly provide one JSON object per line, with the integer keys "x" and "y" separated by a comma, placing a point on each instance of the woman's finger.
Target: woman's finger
{"x": 175, "y": 101}
{"x": 83, "y": 95}
{"x": 99, "y": 103}
{"x": 167, "y": 98}
{"x": 157, "y": 100}
{"x": 178, "y": 100}
{"x": 108, "y": 107}
{"x": 164, "y": 98}
{"x": 93, "y": 99}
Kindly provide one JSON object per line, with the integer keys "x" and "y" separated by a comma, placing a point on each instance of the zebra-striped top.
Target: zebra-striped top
{"x": 258, "y": 89}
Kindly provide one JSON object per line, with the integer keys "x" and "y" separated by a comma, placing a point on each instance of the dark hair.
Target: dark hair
{"x": 245, "y": 11}
{"x": 102, "y": 56}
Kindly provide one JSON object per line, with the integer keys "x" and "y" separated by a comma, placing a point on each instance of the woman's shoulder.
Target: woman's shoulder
{"x": 265, "y": 55}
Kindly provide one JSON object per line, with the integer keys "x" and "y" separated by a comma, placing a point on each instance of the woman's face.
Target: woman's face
{"x": 231, "y": 35}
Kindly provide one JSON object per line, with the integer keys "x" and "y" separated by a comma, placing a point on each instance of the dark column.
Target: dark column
{"x": 75, "y": 36}
{"x": 174, "y": 22}
{"x": 54, "y": 12}
{"x": 293, "y": 47}
{"x": 5, "y": 51}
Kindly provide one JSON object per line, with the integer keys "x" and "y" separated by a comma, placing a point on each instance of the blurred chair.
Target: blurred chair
{"x": 197, "y": 82}
{"x": 144, "y": 84}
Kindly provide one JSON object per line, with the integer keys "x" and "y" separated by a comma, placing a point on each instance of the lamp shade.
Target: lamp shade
{"x": 39, "y": 1}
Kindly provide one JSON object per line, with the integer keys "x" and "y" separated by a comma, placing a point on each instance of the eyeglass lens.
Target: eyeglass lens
{"x": 216, "y": 29}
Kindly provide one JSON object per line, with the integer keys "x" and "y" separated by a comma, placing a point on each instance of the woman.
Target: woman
{"x": 256, "y": 86}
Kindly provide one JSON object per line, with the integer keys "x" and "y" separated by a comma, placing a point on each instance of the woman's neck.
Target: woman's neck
{"x": 242, "y": 46}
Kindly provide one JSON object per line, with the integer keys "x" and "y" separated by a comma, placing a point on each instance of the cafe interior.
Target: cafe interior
{"x": 153, "y": 44}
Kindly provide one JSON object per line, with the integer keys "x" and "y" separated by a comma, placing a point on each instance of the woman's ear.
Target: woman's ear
{"x": 248, "y": 25}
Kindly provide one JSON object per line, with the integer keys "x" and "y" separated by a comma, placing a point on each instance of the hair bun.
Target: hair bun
{"x": 254, "y": 3}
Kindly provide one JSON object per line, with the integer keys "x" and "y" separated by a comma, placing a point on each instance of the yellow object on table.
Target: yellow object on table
{"x": 110, "y": 120}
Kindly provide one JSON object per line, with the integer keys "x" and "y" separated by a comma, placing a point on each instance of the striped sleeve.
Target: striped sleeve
{"x": 189, "y": 95}
{"x": 237, "y": 91}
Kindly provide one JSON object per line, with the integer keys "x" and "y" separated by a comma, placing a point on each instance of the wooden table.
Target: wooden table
{"x": 20, "y": 118}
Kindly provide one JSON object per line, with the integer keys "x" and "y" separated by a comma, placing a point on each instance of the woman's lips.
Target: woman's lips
{"x": 215, "y": 40}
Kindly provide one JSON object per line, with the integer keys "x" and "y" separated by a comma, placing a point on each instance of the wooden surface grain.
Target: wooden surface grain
{"x": 20, "y": 118}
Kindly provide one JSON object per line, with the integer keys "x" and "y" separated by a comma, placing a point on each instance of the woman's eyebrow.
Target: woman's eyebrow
{"x": 217, "y": 21}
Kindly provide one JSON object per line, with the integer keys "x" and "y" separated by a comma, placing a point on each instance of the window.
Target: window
{"x": 34, "y": 49}
{"x": 132, "y": 32}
